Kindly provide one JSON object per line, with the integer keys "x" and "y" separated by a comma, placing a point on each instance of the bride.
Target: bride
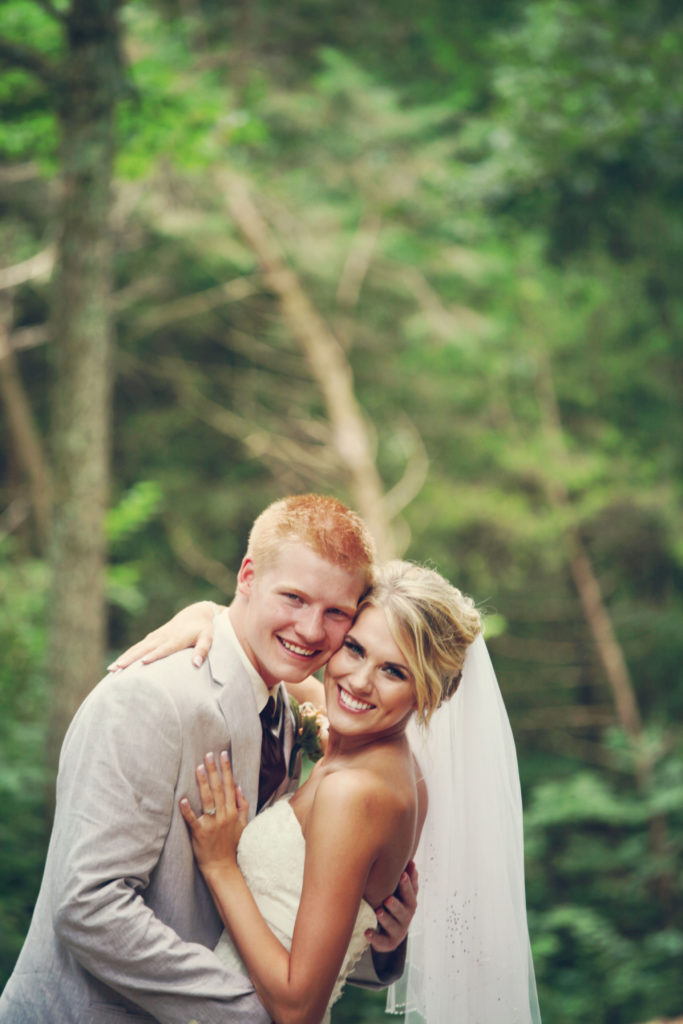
{"x": 342, "y": 840}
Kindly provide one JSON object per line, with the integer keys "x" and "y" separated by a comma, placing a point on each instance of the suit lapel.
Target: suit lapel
{"x": 238, "y": 706}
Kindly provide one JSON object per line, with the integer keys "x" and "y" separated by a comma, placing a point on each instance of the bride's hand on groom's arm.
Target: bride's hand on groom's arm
{"x": 396, "y": 913}
{"x": 190, "y": 627}
{"x": 216, "y": 832}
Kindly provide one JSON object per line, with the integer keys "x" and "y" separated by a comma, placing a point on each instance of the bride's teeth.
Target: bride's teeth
{"x": 295, "y": 649}
{"x": 351, "y": 702}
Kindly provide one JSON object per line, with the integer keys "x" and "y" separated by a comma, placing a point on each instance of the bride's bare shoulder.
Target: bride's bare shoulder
{"x": 365, "y": 793}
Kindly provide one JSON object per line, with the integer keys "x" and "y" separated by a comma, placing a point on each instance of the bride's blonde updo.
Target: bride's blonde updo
{"x": 432, "y": 623}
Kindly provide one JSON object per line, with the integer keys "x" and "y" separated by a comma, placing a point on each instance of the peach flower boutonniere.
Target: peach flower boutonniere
{"x": 310, "y": 731}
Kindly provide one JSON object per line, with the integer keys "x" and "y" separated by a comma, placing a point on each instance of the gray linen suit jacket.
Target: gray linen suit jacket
{"x": 124, "y": 926}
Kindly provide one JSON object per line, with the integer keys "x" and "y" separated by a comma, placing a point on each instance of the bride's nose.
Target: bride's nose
{"x": 360, "y": 680}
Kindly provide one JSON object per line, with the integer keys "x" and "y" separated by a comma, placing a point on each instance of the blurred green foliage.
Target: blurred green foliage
{"x": 483, "y": 202}
{"x": 24, "y": 697}
{"x": 609, "y": 917}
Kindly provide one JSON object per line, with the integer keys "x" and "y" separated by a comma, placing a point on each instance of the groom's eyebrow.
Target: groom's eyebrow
{"x": 344, "y": 609}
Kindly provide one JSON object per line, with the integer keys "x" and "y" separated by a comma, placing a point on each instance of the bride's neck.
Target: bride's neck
{"x": 342, "y": 745}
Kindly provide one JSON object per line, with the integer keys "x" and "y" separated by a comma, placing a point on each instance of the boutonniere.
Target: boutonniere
{"x": 310, "y": 727}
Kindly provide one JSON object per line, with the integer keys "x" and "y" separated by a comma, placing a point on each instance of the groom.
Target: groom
{"x": 124, "y": 926}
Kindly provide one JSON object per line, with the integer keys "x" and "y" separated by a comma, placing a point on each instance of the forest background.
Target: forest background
{"x": 426, "y": 258}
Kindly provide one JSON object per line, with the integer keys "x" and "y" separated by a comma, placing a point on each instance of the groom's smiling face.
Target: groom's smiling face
{"x": 293, "y": 614}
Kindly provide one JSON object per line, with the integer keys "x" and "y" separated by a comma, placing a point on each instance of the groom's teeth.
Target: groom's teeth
{"x": 304, "y": 652}
{"x": 351, "y": 702}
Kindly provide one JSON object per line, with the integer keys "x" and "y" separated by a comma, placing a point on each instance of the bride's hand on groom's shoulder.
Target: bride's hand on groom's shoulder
{"x": 396, "y": 913}
{"x": 190, "y": 627}
{"x": 216, "y": 831}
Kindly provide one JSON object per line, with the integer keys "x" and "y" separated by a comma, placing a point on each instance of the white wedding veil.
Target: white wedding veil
{"x": 469, "y": 959}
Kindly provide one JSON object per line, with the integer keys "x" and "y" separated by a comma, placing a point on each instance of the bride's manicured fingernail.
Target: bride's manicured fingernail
{"x": 210, "y": 758}
{"x": 197, "y": 660}
{"x": 224, "y": 756}
{"x": 201, "y": 769}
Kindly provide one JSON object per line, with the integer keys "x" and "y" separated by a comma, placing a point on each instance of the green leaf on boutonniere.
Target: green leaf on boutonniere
{"x": 306, "y": 732}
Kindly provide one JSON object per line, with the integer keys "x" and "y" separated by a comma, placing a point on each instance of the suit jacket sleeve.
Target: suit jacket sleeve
{"x": 115, "y": 800}
{"x": 378, "y": 970}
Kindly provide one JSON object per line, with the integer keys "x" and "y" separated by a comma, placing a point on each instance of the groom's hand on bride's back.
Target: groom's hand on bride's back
{"x": 396, "y": 913}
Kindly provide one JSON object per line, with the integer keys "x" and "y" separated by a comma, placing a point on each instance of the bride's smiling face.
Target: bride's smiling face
{"x": 368, "y": 685}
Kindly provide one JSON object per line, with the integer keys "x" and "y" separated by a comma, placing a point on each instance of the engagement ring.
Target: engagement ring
{"x": 212, "y": 811}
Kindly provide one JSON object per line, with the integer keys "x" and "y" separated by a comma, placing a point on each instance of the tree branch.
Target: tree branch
{"x": 12, "y": 517}
{"x": 18, "y": 56}
{"x": 309, "y": 461}
{"x": 415, "y": 472}
{"x": 326, "y": 360}
{"x": 358, "y": 260}
{"x": 196, "y": 562}
{"x": 259, "y": 441}
{"x": 576, "y": 716}
{"x": 196, "y": 304}
{"x": 40, "y": 265}
{"x": 29, "y": 337}
{"x": 19, "y": 173}
{"x": 27, "y": 440}
{"x": 446, "y": 322}
{"x": 257, "y": 350}
{"x": 50, "y": 9}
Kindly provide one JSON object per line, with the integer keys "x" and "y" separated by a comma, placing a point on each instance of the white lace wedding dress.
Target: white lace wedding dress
{"x": 271, "y": 857}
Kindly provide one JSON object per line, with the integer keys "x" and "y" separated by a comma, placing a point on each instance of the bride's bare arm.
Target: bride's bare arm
{"x": 294, "y": 986}
{"x": 190, "y": 627}
{"x": 310, "y": 690}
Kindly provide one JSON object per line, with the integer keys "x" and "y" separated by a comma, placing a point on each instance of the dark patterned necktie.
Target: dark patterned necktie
{"x": 272, "y": 754}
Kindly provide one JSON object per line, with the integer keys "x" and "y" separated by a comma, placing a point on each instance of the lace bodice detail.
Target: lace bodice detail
{"x": 271, "y": 856}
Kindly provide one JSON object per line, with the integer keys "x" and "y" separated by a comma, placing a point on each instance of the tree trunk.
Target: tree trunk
{"x": 597, "y": 616}
{"x": 585, "y": 579}
{"x": 91, "y": 77}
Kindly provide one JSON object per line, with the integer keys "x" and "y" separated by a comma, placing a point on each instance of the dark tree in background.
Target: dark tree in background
{"x": 82, "y": 83}
{"x": 90, "y": 78}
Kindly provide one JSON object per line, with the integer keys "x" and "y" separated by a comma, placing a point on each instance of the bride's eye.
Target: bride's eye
{"x": 395, "y": 672}
{"x": 351, "y": 645}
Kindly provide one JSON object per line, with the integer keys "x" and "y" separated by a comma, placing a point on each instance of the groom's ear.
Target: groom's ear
{"x": 246, "y": 576}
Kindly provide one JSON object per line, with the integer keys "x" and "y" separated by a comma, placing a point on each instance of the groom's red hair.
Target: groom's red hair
{"x": 333, "y": 531}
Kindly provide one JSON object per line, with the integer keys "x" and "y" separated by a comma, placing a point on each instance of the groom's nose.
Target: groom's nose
{"x": 311, "y": 625}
